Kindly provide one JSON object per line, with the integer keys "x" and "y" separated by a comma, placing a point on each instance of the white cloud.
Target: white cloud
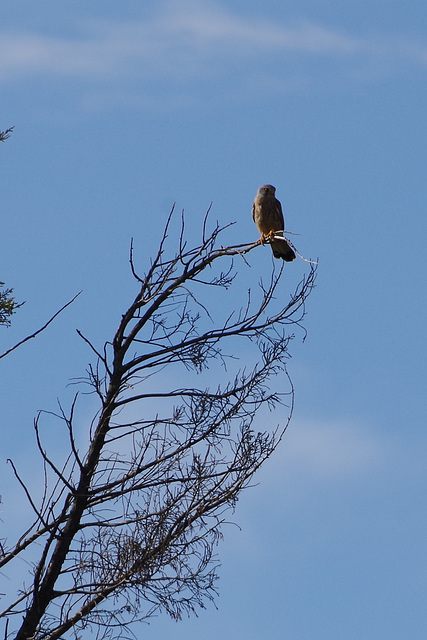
{"x": 187, "y": 38}
{"x": 328, "y": 450}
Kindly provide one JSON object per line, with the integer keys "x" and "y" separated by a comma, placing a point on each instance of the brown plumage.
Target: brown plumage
{"x": 268, "y": 217}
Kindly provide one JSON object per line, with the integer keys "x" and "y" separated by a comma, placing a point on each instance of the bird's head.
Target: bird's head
{"x": 267, "y": 190}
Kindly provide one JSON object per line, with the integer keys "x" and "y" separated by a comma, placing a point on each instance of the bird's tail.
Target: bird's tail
{"x": 281, "y": 248}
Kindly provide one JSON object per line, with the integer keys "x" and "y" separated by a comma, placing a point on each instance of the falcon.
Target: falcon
{"x": 268, "y": 217}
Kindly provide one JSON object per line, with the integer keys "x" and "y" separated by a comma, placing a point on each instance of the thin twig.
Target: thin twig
{"x": 36, "y": 333}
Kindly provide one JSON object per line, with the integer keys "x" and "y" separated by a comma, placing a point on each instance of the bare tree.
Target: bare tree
{"x": 129, "y": 525}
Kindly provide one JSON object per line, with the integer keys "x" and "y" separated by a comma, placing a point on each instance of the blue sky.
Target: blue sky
{"x": 121, "y": 109}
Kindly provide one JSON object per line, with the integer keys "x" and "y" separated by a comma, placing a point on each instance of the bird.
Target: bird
{"x": 268, "y": 217}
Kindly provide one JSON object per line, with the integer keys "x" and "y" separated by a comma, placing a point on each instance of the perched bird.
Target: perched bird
{"x": 268, "y": 217}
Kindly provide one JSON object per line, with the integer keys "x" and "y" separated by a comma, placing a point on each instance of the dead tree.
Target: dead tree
{"x": 129, "y": 525}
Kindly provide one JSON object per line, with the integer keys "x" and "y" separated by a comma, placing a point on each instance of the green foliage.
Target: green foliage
{"x": 8, "y": 305}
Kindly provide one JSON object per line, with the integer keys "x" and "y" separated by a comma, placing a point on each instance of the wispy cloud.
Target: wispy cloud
{"x": 332, "y": 449}
{"x": 190, "y": 39}
{"x": 324, "y": 451}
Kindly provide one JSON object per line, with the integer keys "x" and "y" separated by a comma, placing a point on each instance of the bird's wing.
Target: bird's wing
{"x": 278, "y": 212}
